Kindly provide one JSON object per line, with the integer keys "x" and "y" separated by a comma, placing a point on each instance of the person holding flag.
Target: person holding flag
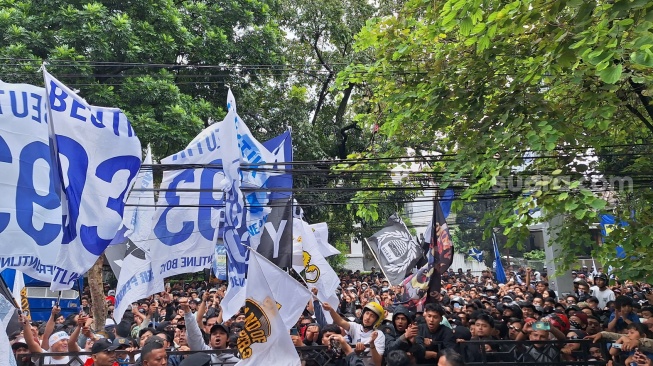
{"x": 365, "y": 332}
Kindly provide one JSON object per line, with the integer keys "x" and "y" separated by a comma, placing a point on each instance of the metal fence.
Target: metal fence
{"x": 475, "y": 353}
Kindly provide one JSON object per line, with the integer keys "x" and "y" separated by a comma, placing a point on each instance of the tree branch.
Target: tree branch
{"x": 342, "y": 150}
{"x": 325, "y": 85}
{"x": 634, "y": 111}
{"x": 646, "y": 101}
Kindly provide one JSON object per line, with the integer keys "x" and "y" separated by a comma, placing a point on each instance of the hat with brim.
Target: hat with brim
{"x": 197, "y": 359}
{"x": 103, "y": 345}
{"x": 19, "y": 345}
{"x": 218, "y": 326}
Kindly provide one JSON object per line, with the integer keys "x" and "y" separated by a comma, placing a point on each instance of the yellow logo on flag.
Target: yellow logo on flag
{"x": 256, "y": 330}
{"x": 312, "y": 271}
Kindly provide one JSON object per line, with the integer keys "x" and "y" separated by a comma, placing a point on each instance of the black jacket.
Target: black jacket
{"x": 393, "y": 338}
{"x": 440, "y": 339}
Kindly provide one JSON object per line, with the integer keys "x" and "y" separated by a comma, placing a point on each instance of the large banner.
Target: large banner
{"x": 30, "y": 208}
{"x": 99, "y": 156}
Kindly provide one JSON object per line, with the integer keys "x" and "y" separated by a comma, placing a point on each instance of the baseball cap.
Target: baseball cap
{"x": 111, "y": 293}
{"x": 20, "y": 343}
{"x": 103, "y": 345}
{"x": 217, "y": 326}
{"x": 121, "y": 342}
{"x": 197, "y": 359}
{"x": 56, "y": 337}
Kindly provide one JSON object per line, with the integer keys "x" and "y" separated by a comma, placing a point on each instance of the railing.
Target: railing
{"x": 531, "y": 353}
{"x": 475, "y": 353}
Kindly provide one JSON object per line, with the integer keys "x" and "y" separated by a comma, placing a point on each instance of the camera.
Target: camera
{"x": 335, "y": 348}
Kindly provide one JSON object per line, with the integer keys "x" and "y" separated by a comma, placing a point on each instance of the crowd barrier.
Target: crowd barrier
{"x": 529, "y": 353}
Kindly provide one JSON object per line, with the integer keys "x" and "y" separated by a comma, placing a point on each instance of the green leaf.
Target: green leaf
{"x": 556, "y": 172}
{"x": 466, "y": 26}
{"x": 642, "y": 57}
{"x": 579, "y": 214}
{"x": 599, "y": 204}
{"x": 563, "y": 196}
{"x": 611, "y": 74}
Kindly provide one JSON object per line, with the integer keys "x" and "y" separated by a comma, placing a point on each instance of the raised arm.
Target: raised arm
{"x": 49, "y": 327}
{"x": 337, "y": 319}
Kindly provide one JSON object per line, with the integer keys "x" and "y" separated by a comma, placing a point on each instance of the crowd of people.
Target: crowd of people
{"x": 474, "y": 319}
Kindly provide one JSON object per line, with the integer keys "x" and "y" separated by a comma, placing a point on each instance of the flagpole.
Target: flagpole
{"x": 377, "y": 261}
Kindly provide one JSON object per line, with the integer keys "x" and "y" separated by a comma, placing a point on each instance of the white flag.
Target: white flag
{"x": 317, "y": 271}
{"x": 136, "y": 279}
{"x": 30, "y": 207}
{"x": 321, "y": 232}
{"x": 290, "y": 294}
{"x": 264, "y": 339}
{"x": 99, "y": 156}
{"x": 19, "y": 285}
{"x": 7, "y": 310}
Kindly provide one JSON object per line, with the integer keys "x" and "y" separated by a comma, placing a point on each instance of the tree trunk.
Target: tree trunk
{"x": 98, "y": 303}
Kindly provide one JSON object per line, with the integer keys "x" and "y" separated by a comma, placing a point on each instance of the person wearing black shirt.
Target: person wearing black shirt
{"x": 432, "y": 336}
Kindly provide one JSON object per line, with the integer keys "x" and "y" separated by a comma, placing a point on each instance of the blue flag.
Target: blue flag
{"x": 501, "y": 274}
{"x": 608, "y": 224}
{"x": 476, "y": 254}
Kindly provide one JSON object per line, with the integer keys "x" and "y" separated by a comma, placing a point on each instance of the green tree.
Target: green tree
{"x": 160, "y": 61}
{"x": 522, "y": 90}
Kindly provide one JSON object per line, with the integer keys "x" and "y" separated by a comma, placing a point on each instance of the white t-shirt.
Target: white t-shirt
{"x": 357, "y": 334}
{"x": 603, "y": 296}
{"x": 48, "y": 360}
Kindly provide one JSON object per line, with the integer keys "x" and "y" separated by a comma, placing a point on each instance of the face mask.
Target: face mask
{"x": 574, "y": 324}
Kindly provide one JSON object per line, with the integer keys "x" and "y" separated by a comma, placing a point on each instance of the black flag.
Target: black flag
{"x": 276, "y": 240}
{"x": 396, "y": 250}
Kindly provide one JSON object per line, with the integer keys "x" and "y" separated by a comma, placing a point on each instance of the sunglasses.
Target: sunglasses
{"x": 513, "y": 327}
{"x": 572, "y": 337}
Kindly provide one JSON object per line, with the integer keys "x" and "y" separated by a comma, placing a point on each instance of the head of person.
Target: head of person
{"x": 571, "y": 300}
{"x": 153, "y": 352}
{"x": 539, "y": 335}
{"x": 542, "y": 286}
{"x": 484, "y": 325}
{"x": 144, "y": 335}
{"x": 398, "y": 358}
{"x": 601, "y": 281}
{"x": 373, "y": 315}
{"x": 593, "y": 325}
{"x": 59, "y": 342}
{"x": 20, "y": 350}
{"x": 583, "y": 287}
{"x": 328, "y": 331}
{"x": 433, "y": 316}
{"x": 636, "y": 331}
{"x": 210, "y": 322}
{"x": 449, "y": 357}
{"x": 578, "y": 320}
{"x": 401, "y": 319}
{"x": 219, "y": 336}
{"x": 103, "y": 352}
{"x": 514, "y": 328}
{"x": 624, "y": 304}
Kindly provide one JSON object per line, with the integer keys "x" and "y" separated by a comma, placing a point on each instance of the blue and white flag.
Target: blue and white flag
{"x": 30, "y": 207}
{"x": 498, "y": 266}
{"x": 99, "y": 156}
{"x": 220, "y": 262}
{"x": 476, "y": 254}
{"x": 135, "y": 276}
{"x": 7, "y": 310}
{"x": 241, "y": 225}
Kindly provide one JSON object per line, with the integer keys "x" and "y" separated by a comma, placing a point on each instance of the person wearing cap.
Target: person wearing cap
{"x": 103, "y": 352}
{"x": 57, "y": 342}
{"x": 21, "y": 352}
{"x": 219, "y": 337}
